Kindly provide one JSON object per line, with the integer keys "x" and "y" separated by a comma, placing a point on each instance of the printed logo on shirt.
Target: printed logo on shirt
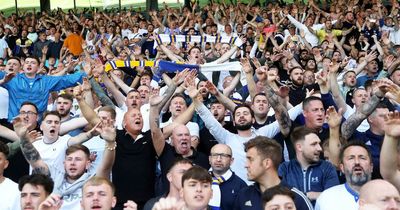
{"x": 71, "y": 197}
{"x": 248, "y": 203}
{"x": 368, "y": 143}
{"x": 314, "y": 179}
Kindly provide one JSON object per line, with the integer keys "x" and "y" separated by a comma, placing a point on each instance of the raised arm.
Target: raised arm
{"x": 332, "y": 79}
{"x": 156, "y": 104}
{"x": 351, "y": 124}
{"x": 29, "y": 151}
{"x": 389, "y": 151}
{"x": 89, "y": 114}
{"x": 281, "y": 113}
{"x": 118, "y": 96}
{"x": 107, "y": 132}
{"x": 228, "y": 54}
{"x": 334, "y": 119}
{"x": 120, "y": 83}
{"x": 224, "y": 100}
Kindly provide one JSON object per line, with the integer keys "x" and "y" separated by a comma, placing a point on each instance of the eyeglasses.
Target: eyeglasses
{"x": 27, "y": 113}
{"x": 221, "y": 155}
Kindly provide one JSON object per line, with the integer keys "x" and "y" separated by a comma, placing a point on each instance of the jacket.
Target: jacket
{"x": 36, "y": 90}
{"x": 249, "y": 198}
{"x": 316, "y": 178}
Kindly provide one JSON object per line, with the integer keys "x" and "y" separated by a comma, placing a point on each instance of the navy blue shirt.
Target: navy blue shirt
{"x": 374, "y": 143}
{"x": 230, "y": 190}
{"x": 249, "y": 198}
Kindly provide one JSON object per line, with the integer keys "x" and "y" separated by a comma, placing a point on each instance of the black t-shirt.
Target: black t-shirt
{"x": 18, "y": 166}
{"x": 133, "y": 173}
{"x": 207, "y": 140}
{"x": 168, "y": 157}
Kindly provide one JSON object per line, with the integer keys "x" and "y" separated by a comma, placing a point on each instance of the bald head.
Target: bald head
{"x": 220, "y": 159}
{"x": 218, "y": 148}
{"x": 181, "y": 139}
{"x": 381, "y": 194}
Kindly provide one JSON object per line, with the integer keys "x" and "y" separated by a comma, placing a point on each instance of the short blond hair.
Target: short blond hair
{"x": 96, "y": 181}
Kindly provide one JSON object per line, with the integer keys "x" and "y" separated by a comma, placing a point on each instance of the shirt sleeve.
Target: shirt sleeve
{"x": 331, "y": 176}
{"x": 215, "y": 128}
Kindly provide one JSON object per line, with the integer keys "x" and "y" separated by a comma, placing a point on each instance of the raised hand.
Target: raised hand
{"x": 77, "y": 92}
{"x": 179, "y": 78}
{"x": 256, "y": 62}
{"x": 334, "y": 118}
{"x": 107, "y": 131}
{"x": 333, "y": 67}
{"x": 371, "y": 56}
{"x": 169, "y": 204}
{"x": 392, "y": 124}
{"x": 7, "y": 77}
{"x": 246, "y": 66}
{"x": 381, "y": 87}
{"x": 130, "y": 205}
{"x": 211, "y": 88}
{"x": 393, "y": 92}
{"x": 20, "y": 128}
{"x": 155, "y": 99}
{"x": 388, "y": 61}
{"x": 283, "y": 91}
{"x": 53, "y": 202}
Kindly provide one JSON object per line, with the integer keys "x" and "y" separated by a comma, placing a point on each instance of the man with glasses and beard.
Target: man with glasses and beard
{"x": 356, "y": 164}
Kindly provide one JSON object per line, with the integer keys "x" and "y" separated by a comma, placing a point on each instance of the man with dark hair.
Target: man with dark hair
{"x": 36, "y": 88}
{"x": 243, "y": 118}
{"x": 278, "y": 196}
{"x": 307, "y": 172}
{"x": 356, "y": 164}
{"x": 174, "y": 176}
{"x": 196, "y": 191}
{"x": 373, "y": 137}
{"x": 8, "y": 189}
{"x": 263, "y": 158}
{"x": 69, "y": 180}
{"x": 18, "y": 166}
{"x": 51, "y": 146}
{"x": 34, "y": 190}
{"x": 207, "y": 141}
{"x": 64, "y": 105}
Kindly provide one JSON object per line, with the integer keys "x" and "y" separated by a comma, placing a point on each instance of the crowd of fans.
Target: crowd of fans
{"x": 227, "y": 106}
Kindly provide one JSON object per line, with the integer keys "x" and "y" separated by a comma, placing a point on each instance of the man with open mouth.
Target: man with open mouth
{"x": 356, "y": 164}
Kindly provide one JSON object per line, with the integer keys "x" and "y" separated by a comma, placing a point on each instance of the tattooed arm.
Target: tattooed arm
{"x": 281, "y": 113}
{"x": 351, "y": 124}
{"x": 29, "y": 151}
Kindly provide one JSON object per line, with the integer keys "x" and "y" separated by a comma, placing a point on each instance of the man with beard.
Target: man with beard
{"x": 307, "y": 172}
{"x": 356, "y": 164}
{"x": 297, "y": 91}
{"x": 243, "y": 119}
